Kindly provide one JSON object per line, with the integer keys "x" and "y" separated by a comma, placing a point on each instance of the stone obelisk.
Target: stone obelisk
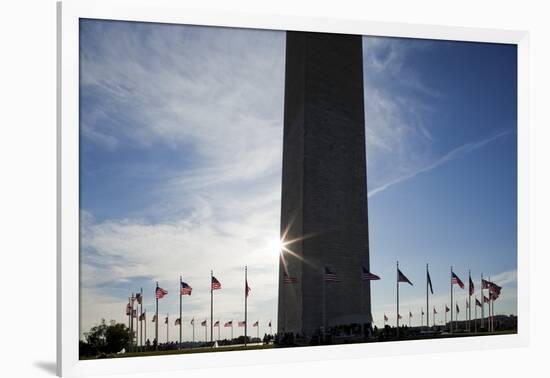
{"x": 324, "y": 186}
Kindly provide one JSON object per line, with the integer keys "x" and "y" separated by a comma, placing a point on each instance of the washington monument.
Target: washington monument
{"x": 324, "y": 222}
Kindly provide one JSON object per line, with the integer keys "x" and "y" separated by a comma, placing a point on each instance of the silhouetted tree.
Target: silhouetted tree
{"x": 105, "y": 339}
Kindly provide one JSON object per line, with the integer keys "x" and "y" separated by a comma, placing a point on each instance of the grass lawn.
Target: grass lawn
{"x": 270, "y": 346}
{"x": 186, "y": 351}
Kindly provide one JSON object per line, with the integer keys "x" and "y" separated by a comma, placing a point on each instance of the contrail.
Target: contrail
{"x": 453, "y": 154}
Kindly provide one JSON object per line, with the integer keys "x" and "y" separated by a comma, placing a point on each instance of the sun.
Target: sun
{"x": 275, "y": 247}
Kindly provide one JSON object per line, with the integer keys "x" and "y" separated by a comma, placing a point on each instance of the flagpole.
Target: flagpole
{"x": 482, "y": 304}
{"x": 231, "y": 331}
{"x": 193, "y": 331}
{"x": 211, "y": 309}
{"x": 245, "y": 302}
{"x": 141, "y": 322}
{"x": 490, "y": 311}
{"x": 490, "y": 308}
{"x": 167, "y": 329}
{"x": 129, "y": 325}
{"x": 493, "y": 312}
{"x": 492, "y": 298}
{"x": 145, "y": 326}
{"x": 132, "y": 323}
{"x": 181, "y": 322}
{"x": 219, "y": 326}
{"x": 362, "y": 299}
{"x": 469, "y": 302}
{"x": 136, "y": 343}
{"x": 493, "y": 316}
{"x": 427, "y": 301}
{"x": 134, "y": 327}
{"x": 324, "y": 303}
{"x": 397, "y": 316}
{"x": 284, "y": 300}
{"x": 475, "y": 320}
{"x": 451, "y": 299}
{"x": 157, "y": 318}
{"x": 206, "y": 331}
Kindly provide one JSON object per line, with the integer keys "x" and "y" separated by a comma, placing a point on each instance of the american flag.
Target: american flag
{"x": 269, "y": 324}
{"x": 134, "y": 314}
{"x": 410, "y": 314}
{"x": 216, "y": 285}
{"x": 457, "y": 309}
{"x": 203, "y": 323}
{"x": 385, "y": 318}
{"x": 478, "y": 303}
{"x": 154, "y": 318}
{"x": 493, "y": 296}
{"x": 185, "y": 289}
{"x": 456, "y": 281}
{"x": 139, "y": 298}
{"x": 255, "y": 324}
{"x": 142, "y": 316}
{"x": 160, "y": 292}
{"x": 228, "y": 324}
{"x": 177, "y": 322}
{"x": 246, "y": 288}
{"x": 447, "y": 309}
{"x": 429, "y": 282}
{"x": 435, "y": 311}
{"x": 399, "y": 316}
{"x": 128, "y": 309}
{"x": 217, "y": 324}
{"x": 402, "y": 278}
{"x": 368, "y": 276}
{"x": 242, "y": 324}
{"x": 493, "y": 287}
{"x": 486, "y": 300}
{"x": 422, "y": 311}
{"x": 495, "y": 290}
{"x": 330, "y": 276}
{"x": 166, "y": 320}
{"x": 193, "y": 321}
{"x": 471, "y": 288}
{"x": 289, "y": 280}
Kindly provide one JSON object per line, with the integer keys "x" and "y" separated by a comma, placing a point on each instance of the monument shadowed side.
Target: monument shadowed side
{"x": 324, "y": 185}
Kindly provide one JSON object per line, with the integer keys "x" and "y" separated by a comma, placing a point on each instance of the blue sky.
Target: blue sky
{"x": 181, "y": 148}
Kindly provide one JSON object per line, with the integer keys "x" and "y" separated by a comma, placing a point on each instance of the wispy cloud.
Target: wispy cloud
{"x": 398, "y": 109}
{"x": 213, "y": 96}
{"x": 451, "y": 155}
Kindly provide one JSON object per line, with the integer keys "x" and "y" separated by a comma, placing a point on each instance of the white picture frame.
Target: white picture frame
{"x": 170, "y": 11}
